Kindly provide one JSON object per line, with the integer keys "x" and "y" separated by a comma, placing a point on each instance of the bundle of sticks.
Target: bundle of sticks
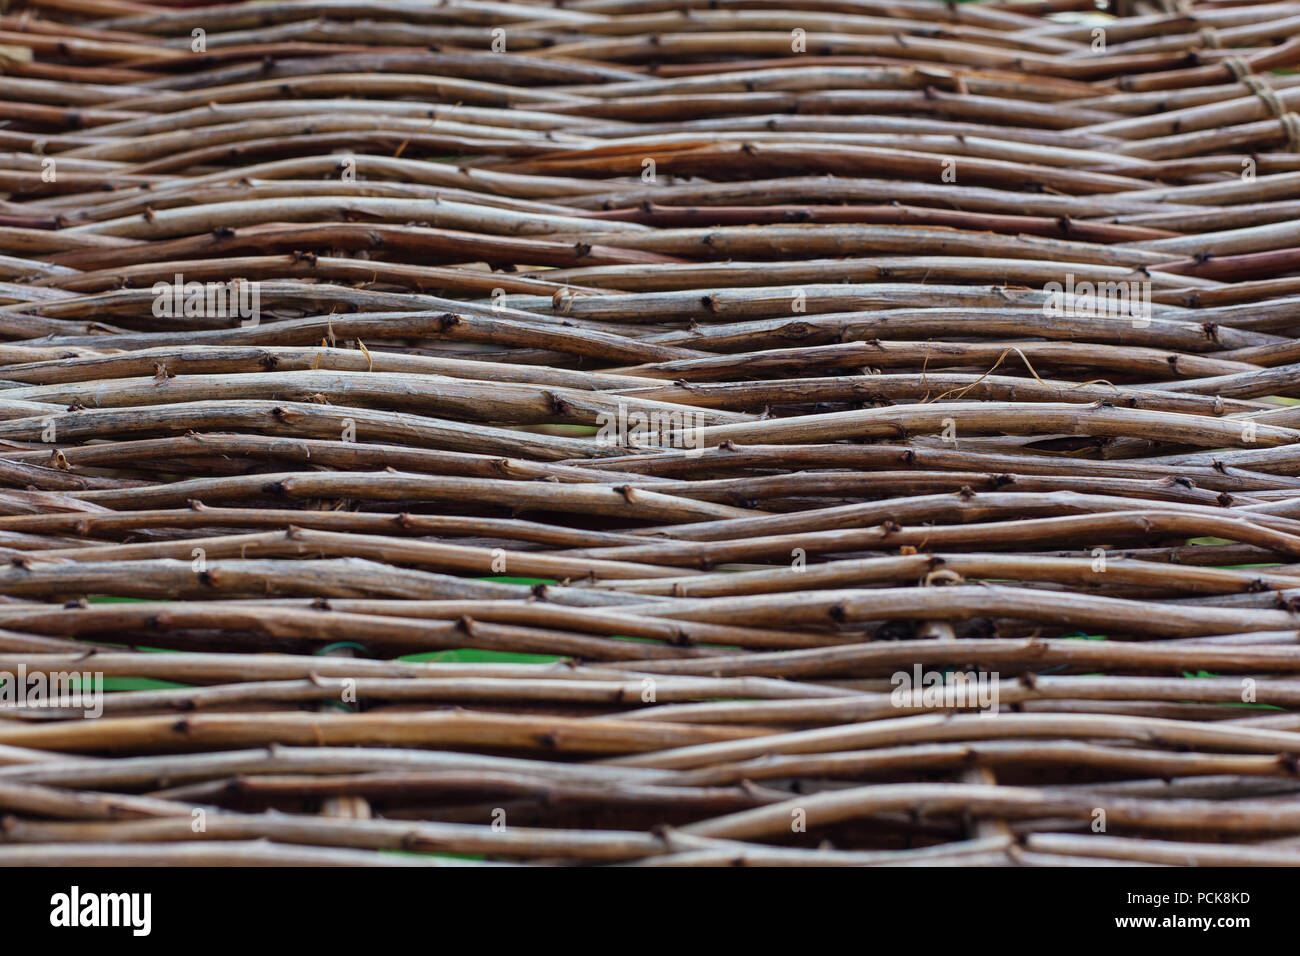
{"x": 650, "y": 432}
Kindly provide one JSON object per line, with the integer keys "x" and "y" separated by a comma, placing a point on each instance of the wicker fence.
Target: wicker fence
{"x": 662, "y": 432}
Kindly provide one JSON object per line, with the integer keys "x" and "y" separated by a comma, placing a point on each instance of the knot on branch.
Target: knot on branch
{"x": 942, "y": 576}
